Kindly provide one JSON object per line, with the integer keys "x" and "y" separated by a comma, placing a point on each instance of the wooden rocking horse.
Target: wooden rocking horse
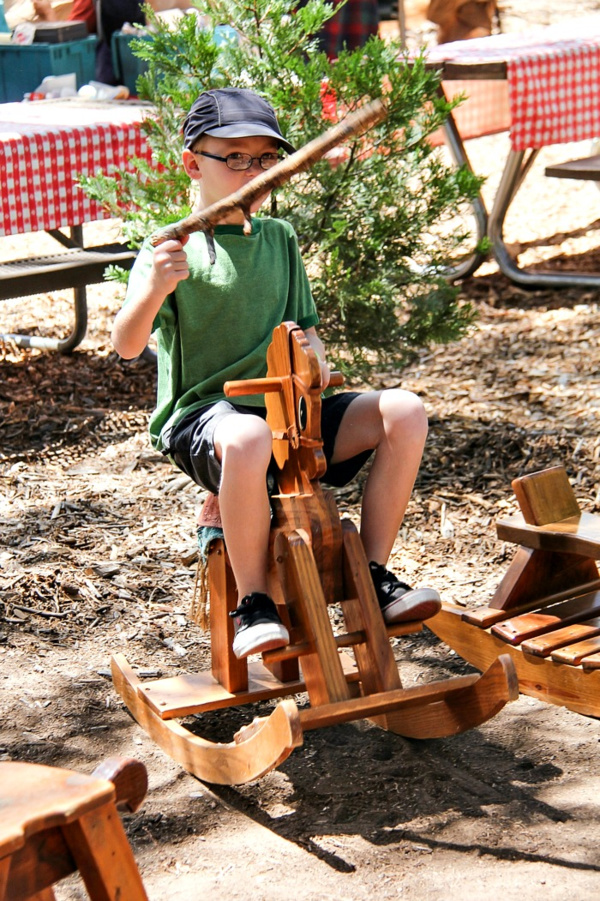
{"x": 316, "y": 560}
{"x": 546, "y": 611}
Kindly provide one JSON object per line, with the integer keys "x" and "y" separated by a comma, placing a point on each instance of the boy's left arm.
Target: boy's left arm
{"x": 318, "y": 347}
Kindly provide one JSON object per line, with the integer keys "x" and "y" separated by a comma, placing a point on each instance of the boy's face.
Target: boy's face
{"x": 215, "y": 179}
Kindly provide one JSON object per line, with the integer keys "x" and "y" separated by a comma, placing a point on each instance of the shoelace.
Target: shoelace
{"x": 385, "y": 580}
{"x": 248, "y": 603}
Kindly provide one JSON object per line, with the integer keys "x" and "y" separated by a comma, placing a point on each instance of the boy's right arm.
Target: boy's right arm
{"x": 133, "y": 324}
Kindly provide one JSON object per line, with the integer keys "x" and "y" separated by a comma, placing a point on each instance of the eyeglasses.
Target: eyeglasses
{"x": 241, "y": 161}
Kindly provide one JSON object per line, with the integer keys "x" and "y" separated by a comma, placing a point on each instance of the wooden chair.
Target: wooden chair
{"x": 316, "y": 560}
{"x": 546, "y": 611}
{"x": 54, "y": 822}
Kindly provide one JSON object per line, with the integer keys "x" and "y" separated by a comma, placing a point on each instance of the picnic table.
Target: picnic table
{"x": 45, "y": 146}
{"x": 543, "y": 85}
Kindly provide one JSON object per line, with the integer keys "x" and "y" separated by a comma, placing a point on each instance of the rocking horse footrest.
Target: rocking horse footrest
{"x": 384, "y": 702}
{"x": 347, "y": 640}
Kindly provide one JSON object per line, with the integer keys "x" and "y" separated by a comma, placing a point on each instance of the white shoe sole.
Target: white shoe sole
{"x": 414, "y": 605}
{"x": 260, "y": 638}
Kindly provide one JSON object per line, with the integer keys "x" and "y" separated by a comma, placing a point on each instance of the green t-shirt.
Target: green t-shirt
{"x": 219, "y": 322}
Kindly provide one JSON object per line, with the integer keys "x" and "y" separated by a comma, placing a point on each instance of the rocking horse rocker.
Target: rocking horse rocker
{"x": 316, "y": 560}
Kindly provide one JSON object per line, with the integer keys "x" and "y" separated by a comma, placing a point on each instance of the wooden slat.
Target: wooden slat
{"x": 345, "y": 640}
{"x": 374, "y": 657}
{"x": 537, "y": 579}
{"x": 440, "y": 708}
{"x": 226, "y": 668}
{"x": 484, "y": 617}
{"x": 544, "y": 645}
{"x": 574, "y": 654}
{"x": 265, "y": 747}
{"x": 529, "y": 625}
{"x": 466, "y": 71}
{"x": 575, "y": 535}
{"x": 68, "y": 268}
{"x": 383, "y": 702}
{"x": 42, "y": 861}
{"x": 191, "y": 693}
{"x": 585, "y": 169}
{"x": 323, "y": 674}
{"x": 591, "y": 663}
{"x": 103, "y": 855}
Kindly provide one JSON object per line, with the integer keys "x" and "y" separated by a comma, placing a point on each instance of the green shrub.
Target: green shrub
{"x": 376, "y": 229}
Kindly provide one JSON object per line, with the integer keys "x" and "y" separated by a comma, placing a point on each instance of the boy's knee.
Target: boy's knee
{"x": 408, "y": 414}
{"x": 250, "y": 441}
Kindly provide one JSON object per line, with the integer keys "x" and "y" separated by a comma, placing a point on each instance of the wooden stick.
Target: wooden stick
{"x": 205, "y": 220}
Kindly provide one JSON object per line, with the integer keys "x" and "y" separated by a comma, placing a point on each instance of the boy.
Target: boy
{"x": 214, "y": 323}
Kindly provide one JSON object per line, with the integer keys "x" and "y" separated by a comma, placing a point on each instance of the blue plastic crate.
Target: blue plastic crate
{"x": 126, "y": 66}
{"x": 22, "y": 68}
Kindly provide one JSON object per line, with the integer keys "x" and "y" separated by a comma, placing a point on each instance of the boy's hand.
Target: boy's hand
{"x": 169, "y": 265}
{"x": 325, "y": 373}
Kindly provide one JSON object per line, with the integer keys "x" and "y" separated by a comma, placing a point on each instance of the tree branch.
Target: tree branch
{"x": 354, "y": 124}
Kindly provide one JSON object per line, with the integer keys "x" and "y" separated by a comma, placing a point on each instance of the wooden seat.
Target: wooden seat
{"x": 54, "y": 822}
{"x": 546, "y": 610}
{"x": 72, "y": 268}
{"x": 585, "y": 169}
{"x": 316, "y": 560}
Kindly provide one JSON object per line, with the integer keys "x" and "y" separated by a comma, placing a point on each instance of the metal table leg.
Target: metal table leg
{"x": 62, "y": 345}
{"x": 457, "y": 150}
{"x": 515, "y": 170}
{"x": 74, "y": 268}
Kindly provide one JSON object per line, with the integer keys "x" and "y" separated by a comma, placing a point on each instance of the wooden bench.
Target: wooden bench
{"x": 73, "y": 267}
{"x": 546, "y": 610}
{"x": 585, "y": 169}
{"x": 55, "y": 822}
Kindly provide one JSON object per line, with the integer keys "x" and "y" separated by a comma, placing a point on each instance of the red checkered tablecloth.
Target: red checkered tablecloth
{"x": 46, "y": 145}
{"x": 553, "y": 77}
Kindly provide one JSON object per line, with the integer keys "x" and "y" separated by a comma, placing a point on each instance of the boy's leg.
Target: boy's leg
{"x": 243, "y": 445}
{"x": 394, "y": 424}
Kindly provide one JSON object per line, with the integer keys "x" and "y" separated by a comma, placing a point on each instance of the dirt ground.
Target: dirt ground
{"x": 97, "y": 556}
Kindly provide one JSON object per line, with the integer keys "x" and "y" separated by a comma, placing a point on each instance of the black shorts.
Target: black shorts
{"x": 192, "y": 445}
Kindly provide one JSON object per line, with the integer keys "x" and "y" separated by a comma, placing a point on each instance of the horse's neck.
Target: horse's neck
{"x": 316, "y": 518}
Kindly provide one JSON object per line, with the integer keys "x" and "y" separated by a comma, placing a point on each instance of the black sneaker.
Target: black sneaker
{"x": 398, "y": 601}
{"x": 257, "y": 626}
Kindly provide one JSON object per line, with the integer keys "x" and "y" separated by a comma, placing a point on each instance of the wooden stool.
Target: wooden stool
{"x": 546, "y": 610}
{"x": 54, "y": 822}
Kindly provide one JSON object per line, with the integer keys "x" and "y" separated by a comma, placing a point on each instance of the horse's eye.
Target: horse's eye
{"x": 302, "y": 414}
